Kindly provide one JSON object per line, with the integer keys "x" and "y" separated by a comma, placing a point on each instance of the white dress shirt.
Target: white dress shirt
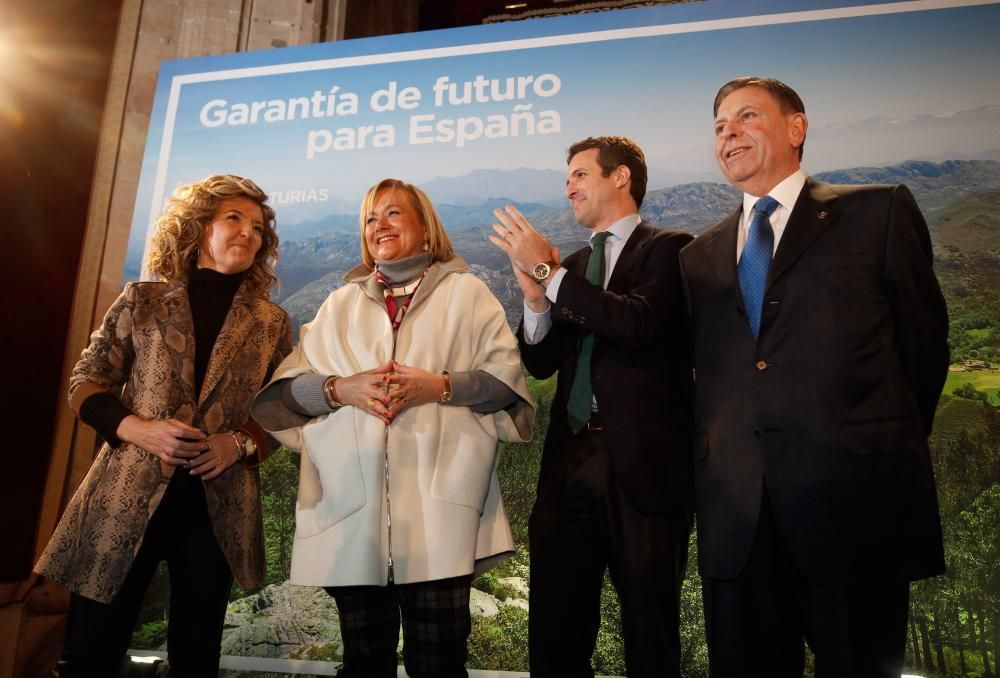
{"x": 537, "y": 325}
{"x": 786, "y": 193}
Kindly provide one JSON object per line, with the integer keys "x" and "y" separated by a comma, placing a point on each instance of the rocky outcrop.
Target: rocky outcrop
{"x": 284, "y": 620}
{"x": 301, "y": 622}
{"x": 518, "y": 586}
{"x": 482, "y": 604}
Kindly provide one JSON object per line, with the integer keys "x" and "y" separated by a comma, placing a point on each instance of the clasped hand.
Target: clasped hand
{"x": 179, "y": 444}
{"x": 387, "y": 390}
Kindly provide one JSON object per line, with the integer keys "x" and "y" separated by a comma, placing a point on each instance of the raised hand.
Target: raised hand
{"x": 518, "y": 238}
{"x": 525, "y": 247}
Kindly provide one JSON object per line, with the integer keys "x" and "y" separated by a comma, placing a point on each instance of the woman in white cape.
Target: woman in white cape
{"x": 396, "y": 397}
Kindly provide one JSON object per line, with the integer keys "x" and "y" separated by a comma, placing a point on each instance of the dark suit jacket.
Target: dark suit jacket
{"x": 832, "y": 405}
{"x": 640, "y": 369}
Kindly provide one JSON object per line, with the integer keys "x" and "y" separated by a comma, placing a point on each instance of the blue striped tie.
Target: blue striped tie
{"x": 756, "y": 260}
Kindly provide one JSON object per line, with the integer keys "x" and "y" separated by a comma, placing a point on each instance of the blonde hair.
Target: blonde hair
{"x": 174, "y": 245}
{"x": 437, "y": 239}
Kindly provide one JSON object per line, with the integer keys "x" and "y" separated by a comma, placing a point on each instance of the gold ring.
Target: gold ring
{"x": 371, "y": 403}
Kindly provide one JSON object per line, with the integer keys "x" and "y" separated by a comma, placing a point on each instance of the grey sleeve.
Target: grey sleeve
{"x": 288, "y": 403}
{"x": 480, "y": 391}
{"x": 304, "y": 394}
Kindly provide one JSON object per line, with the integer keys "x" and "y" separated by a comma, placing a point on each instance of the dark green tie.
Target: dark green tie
{"x": 581, "y": 396}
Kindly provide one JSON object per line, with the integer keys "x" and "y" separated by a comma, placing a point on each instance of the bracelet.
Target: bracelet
{"x": 446, "y": 393}
{"x": 329, "y": 395}
{"x": 241, "y": 446}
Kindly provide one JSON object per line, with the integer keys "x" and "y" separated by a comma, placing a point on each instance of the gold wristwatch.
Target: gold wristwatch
{"x": 541, "y": 271}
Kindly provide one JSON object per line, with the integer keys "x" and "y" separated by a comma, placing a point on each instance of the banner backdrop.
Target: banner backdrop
{"x": 482, "y": 116}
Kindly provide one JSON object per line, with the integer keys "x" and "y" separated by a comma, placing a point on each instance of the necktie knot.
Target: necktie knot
{"x": 765, "y": 206}
{"x": 595, "y": 264}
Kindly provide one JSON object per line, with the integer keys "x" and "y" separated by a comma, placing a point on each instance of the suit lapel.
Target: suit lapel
{"x": 235, "y": 330}
{"x": 626, "y": 260}
{"x": 720, "y": 248}
{"x": 176, "y": 327}
{"x": 577, "y": 262}
{"x": 814, "y": 212}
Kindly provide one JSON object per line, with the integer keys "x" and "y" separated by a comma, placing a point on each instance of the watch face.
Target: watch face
{"x": 541, "y": 271}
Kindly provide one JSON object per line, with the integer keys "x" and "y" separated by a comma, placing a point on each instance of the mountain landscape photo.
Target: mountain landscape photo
{"x": 956, "y": 197}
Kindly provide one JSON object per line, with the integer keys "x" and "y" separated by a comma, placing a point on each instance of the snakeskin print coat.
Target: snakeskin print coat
{"x": 144, "y": 353}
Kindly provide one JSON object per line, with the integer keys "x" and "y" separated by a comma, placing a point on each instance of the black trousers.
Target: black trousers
{"x": 757, "y": 623}
{"x": 578, "y": 529}
{"x": 98, "y": 634}
{"x": 436, "y": 627}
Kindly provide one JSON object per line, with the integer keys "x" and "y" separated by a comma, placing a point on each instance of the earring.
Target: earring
{"x": 426, "y": 246}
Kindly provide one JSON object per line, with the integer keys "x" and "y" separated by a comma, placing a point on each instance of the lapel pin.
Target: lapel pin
{"x": 822, "y": 214}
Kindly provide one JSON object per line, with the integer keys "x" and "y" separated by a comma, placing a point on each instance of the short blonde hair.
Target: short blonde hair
{"x": 437, "y": 239}
{"x": 174, "y": 245}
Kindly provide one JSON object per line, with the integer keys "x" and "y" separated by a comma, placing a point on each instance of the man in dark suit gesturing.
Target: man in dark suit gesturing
{"x": 817, "y": 376}
{"x": 614, "y": 488}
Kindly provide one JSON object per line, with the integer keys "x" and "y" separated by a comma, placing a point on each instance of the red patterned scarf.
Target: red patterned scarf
{"x": 395, "y": 309}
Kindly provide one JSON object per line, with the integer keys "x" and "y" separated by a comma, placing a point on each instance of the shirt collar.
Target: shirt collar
{"x": 621, "y": 229}
{"x": 786, "y": 193}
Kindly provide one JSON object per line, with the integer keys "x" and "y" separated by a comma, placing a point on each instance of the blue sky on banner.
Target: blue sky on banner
{"x": 883, "y": 82}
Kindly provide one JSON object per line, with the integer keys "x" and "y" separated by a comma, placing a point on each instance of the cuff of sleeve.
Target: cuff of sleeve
{"x": 264, "y": 442}
{"x": 536, "y": 325}
{"x": 461, "y": 385}
{"x": 306, "y": 394}
{"x": 104, "y": 412}
{"x": 535, "y": 316}
{"x": 552, "y": 290}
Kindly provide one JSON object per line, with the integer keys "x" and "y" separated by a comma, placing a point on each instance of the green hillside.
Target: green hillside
{"x": 970, "y": 225}
{"x": 965, "y": 228}
{"x": 955, "y": 415}
{"x": 986, "y": 381}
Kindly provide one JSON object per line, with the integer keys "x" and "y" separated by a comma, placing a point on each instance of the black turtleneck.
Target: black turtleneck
{"x": 210, "y": 295}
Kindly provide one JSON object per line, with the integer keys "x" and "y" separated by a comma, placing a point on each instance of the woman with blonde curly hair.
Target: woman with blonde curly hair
{"x": 167, "y": 381}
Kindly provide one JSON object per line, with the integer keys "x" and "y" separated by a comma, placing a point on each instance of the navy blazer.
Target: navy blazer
{"x": 830, "y": 408}
{"x": 640, "y": 369}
